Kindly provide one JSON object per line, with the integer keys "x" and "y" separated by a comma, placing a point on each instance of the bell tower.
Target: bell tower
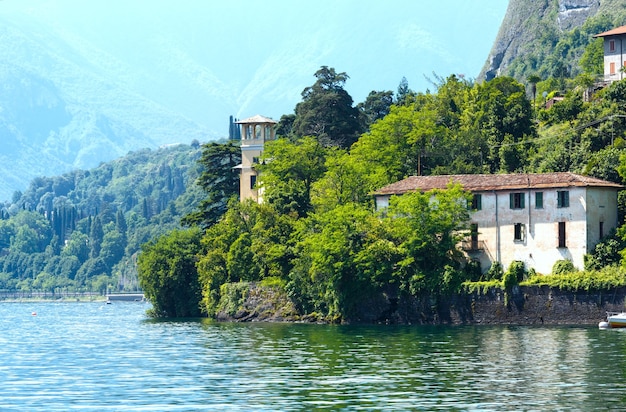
{"x": 255, "y": 131}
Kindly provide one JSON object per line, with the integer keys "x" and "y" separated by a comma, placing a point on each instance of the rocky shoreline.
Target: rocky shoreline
{"x": 526, "y": 305}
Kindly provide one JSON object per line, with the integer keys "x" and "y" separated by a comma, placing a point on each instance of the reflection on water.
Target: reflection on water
{"x": 110, "y": 357}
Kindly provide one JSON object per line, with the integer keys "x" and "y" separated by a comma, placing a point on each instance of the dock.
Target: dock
{"x": 126, "y": 297}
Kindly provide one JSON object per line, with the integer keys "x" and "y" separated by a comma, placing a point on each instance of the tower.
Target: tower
{"x": 255, "y": 131}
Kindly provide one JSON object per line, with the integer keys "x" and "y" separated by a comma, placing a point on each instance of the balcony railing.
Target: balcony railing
{"x": 473, "y": 245}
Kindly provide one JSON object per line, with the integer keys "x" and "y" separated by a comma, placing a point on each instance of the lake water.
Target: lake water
{"x": 92, "y": 356}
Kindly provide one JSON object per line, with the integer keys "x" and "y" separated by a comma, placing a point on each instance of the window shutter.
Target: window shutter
{"x": 512, "y": 200}
{"x": 479, "y": 202}
{"x": 522, "y": 196}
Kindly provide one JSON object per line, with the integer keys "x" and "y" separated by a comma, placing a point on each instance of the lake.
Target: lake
{"x": 92, "y": 356}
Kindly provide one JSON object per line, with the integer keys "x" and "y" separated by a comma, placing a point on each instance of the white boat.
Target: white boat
{"x": 615, "y": 320}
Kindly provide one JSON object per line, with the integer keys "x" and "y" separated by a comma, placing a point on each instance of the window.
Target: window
{"x": 255, "y": 160}
{"x": 252, "y": 181}
{"x": 562, "y": 234}
{"x": 539, "y": 200}
{"x": 562, "y": 198}
{"x": 519, "y": 232}
{"x": 516, "y": 200}
{"x": 612, "y": 68}
{"x": 612, "y": 45}
{"x": 601, "y": 230}
{"x": 477, "y": 202}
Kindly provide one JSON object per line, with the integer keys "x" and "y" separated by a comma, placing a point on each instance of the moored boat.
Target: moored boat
{"x": 616, "y": 319}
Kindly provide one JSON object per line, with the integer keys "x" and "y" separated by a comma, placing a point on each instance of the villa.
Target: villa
{"x": 534, "y": 218}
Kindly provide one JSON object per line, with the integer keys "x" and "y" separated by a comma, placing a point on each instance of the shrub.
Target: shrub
{"x": 473, "y": 270}
{"x": 518, "y": 270}
{"x": 563, "y": 266}
{"x": 495, "y": 271}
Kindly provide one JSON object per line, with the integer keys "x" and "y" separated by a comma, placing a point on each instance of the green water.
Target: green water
{"x": 91, "y": 356}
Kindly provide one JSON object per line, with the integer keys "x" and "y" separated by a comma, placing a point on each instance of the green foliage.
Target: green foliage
{"x": 495, "y": 272}
{"x": 514, "y": 274}
{"x": 605, "y": 253}
{"x": 326, "y": 111}
{"x": 563, "y": 266}
{"x": 168, "y": 274}
{"x": 233, "y": 296}
{"x": 250, "y": 243}
{"x": 608, "y": 278}
{"x": 375, "y": 107}
{"x": 86, "y": 224}
{"x": 219, "y": 180}
{"x": 480, "y": 287}
{"x": 289, "y": 171}
{"x": 549, "y": 51}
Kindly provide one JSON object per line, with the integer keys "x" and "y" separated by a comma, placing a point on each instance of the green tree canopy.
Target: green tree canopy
{"x": 326, "y": 111}
{"x": 168, "y": 274}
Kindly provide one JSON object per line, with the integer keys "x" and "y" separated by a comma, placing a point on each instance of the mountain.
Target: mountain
{"x": 56, "y": 111}
{"x": 548, "y": 38}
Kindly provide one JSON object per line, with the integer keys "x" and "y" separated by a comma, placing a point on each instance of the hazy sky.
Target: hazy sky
{"x": 209, "y": 59}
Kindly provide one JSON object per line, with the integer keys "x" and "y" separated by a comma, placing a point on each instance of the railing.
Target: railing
{"x": 473, "y": 245}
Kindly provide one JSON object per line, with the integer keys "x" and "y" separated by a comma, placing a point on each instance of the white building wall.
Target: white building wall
{"x": 615, "y": 56}
{"x": 539, "y": 247}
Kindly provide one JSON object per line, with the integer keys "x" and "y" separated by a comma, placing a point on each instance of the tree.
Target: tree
{"x": 219, "y": 180}
{"x": 95, "y": 237}
{"x": 495, "y": 109}
{"x": 345, "y": 181}
{"x": 288, "y": 172}
{"x": 592, "y": 60}
{"x": 335, "y": 269}
{"x": 426, "y": 228}
{"x": 404, "y": 94}
{"x": 326, "y": 111}
{"x": 376, "y": 106}
{"x": 168, "y": 275}
{"x": 533, "y": 79}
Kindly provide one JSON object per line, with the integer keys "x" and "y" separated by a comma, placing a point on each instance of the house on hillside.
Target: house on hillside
{"x": 255, "y": 131}
{"x": 534, "y": 218}
{"x": 614, "y": 53}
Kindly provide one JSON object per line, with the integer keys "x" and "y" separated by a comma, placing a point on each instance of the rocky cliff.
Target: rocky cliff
{"x": 531, "y": 31}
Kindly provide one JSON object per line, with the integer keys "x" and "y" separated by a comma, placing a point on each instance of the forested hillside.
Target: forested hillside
{"x": 81, "y": 231}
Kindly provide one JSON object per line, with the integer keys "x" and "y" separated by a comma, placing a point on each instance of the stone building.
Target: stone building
{"x": 534, "y": 218}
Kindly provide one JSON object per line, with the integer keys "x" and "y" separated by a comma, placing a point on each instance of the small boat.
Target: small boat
{"x": 614, "y": 320}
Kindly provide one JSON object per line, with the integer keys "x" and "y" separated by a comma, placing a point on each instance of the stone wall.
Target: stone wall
{"x": 529, "y": 305}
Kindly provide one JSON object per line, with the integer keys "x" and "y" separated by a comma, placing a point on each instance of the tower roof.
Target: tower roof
{"x": 257, "y": 119}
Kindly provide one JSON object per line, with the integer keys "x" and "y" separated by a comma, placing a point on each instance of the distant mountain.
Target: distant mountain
{"x": 548, "y": 38}
{"x": 64, "y": 106}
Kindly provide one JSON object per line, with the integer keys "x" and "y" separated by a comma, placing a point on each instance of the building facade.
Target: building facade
{"x": 255, "y": 132}
{"x": 614, "y": 53}
{"x": 534, "y": 218}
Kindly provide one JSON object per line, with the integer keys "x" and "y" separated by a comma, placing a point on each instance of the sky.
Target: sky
{"x": 209, "y": 59}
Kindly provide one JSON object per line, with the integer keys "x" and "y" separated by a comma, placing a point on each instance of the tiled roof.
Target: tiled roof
{"x": 483, "y": 183}
{"x": 257, "y": 119}
{"x": 613, "y": 32}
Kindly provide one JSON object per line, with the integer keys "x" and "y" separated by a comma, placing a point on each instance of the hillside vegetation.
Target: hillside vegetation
{"x": 547, "y": 38}
{"x": 81, "y": 231}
